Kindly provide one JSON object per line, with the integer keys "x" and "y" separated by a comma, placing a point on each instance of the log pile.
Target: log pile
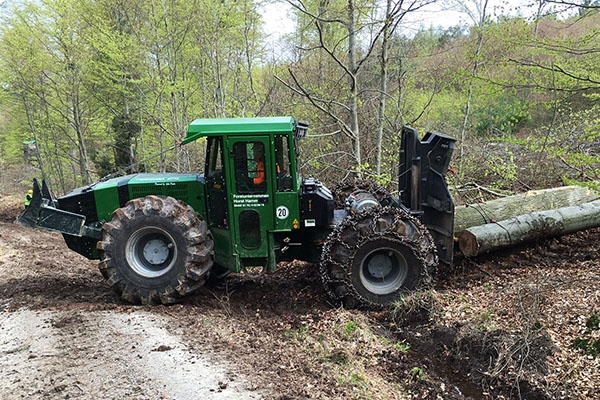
{"x": 528, "y": 228}
{"x": 519, "y": 204}
{"x": 525, "y": 217}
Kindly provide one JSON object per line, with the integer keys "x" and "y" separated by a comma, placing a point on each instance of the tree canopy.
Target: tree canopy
{"x": 96, "y": 86}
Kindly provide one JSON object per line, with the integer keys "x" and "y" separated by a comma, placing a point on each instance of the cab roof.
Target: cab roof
{"x": 238, "y": 126}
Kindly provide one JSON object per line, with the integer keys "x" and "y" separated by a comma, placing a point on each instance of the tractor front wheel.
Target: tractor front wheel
{"x": 155, "y": 250}
{"x": 374, "y": 257}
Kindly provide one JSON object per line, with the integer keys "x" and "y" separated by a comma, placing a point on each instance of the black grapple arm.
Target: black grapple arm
{"x": 423, "y": 188}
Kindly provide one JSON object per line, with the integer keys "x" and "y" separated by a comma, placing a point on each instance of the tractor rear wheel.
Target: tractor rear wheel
{"x": 155, "y": 250}
{"x": 375, "y": 256}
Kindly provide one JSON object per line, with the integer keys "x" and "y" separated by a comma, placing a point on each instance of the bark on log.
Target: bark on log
{"x": 529, "y": 227}
{"x": 524, "y": 203}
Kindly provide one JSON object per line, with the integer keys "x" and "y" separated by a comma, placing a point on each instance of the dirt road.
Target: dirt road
{"x": 63, "y": 334}
{"x": 106, "y": 355}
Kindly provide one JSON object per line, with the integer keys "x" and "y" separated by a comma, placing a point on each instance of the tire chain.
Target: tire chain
{"x": 342, "y": 190}
{"x": 419, "y": 241}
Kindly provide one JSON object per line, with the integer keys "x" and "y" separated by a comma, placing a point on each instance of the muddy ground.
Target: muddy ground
{"x": 501, "y": 326}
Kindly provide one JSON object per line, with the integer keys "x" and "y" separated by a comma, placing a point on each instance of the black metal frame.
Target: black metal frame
{"x": 423, "y": 188}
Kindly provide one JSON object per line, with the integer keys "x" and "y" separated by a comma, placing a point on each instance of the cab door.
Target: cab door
{"x": 252, "y": 195}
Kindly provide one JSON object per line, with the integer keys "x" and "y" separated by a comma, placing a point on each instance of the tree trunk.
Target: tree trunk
{"x": 474, "y": 73}
{"x": 523, "y": 203}
{"x": 78, "y": 126}
{"x": 529, "y": 227}
{"x": 353, "y": 81}
{"x": 383, "y": 86}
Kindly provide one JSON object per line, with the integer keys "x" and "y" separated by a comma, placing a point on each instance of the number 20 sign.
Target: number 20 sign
{"x": 282, "y": 212}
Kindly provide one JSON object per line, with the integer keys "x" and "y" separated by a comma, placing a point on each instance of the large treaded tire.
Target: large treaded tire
{"x": 375, "y": 256}
{"x": 345, "y": 188}
{"x": 155, "y": 250}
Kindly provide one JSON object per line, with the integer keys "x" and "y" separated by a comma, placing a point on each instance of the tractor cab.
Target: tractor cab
{"x": 252, "y": 187}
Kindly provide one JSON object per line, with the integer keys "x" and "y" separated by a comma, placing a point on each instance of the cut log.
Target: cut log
{"x": 529, "y": 227}
{"x": 524, "y": 203}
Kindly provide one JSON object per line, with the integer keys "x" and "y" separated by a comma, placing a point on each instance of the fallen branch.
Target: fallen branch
{"x": 470, "y": 186}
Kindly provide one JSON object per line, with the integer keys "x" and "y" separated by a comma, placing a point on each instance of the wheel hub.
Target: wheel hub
{"x": 156, "y": 251}
{"x": 379, "y": 265}
{"x": 151, "y": 252}
{"x": 383, "y": 271}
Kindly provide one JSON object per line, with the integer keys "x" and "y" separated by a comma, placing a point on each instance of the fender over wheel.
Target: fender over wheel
{"x": 375, "y": 256}
{"x": 155, "y": 250}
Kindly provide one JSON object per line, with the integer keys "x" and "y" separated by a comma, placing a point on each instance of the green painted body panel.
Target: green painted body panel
{"x": 287, "y": 210}
{"x": 185, "y": 187}
{"x": 225, "y": 255}
{"x": 107, "y": 199}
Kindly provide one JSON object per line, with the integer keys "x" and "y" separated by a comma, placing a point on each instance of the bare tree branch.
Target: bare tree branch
{"x": 317, "y": 102}
{"x": 572, "y": 4}
{"x": 331, "y": 52}
{"x": 558, "y": 68}
{"x": 302, "y": 8}
{"x": 536, "y": 86}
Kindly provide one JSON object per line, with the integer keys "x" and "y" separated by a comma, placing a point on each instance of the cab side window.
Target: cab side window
{"x": 250, "y": 167}
{"x": 214, "y": 163}
{"x": 282, "y": 158}
{"x": 215, "y": 182}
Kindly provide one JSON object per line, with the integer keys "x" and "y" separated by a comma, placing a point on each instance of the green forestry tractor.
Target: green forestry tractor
{"x": 159, "y": 236}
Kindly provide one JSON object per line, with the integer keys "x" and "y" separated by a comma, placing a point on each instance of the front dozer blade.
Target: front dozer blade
{"x": 42, "y": 213}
